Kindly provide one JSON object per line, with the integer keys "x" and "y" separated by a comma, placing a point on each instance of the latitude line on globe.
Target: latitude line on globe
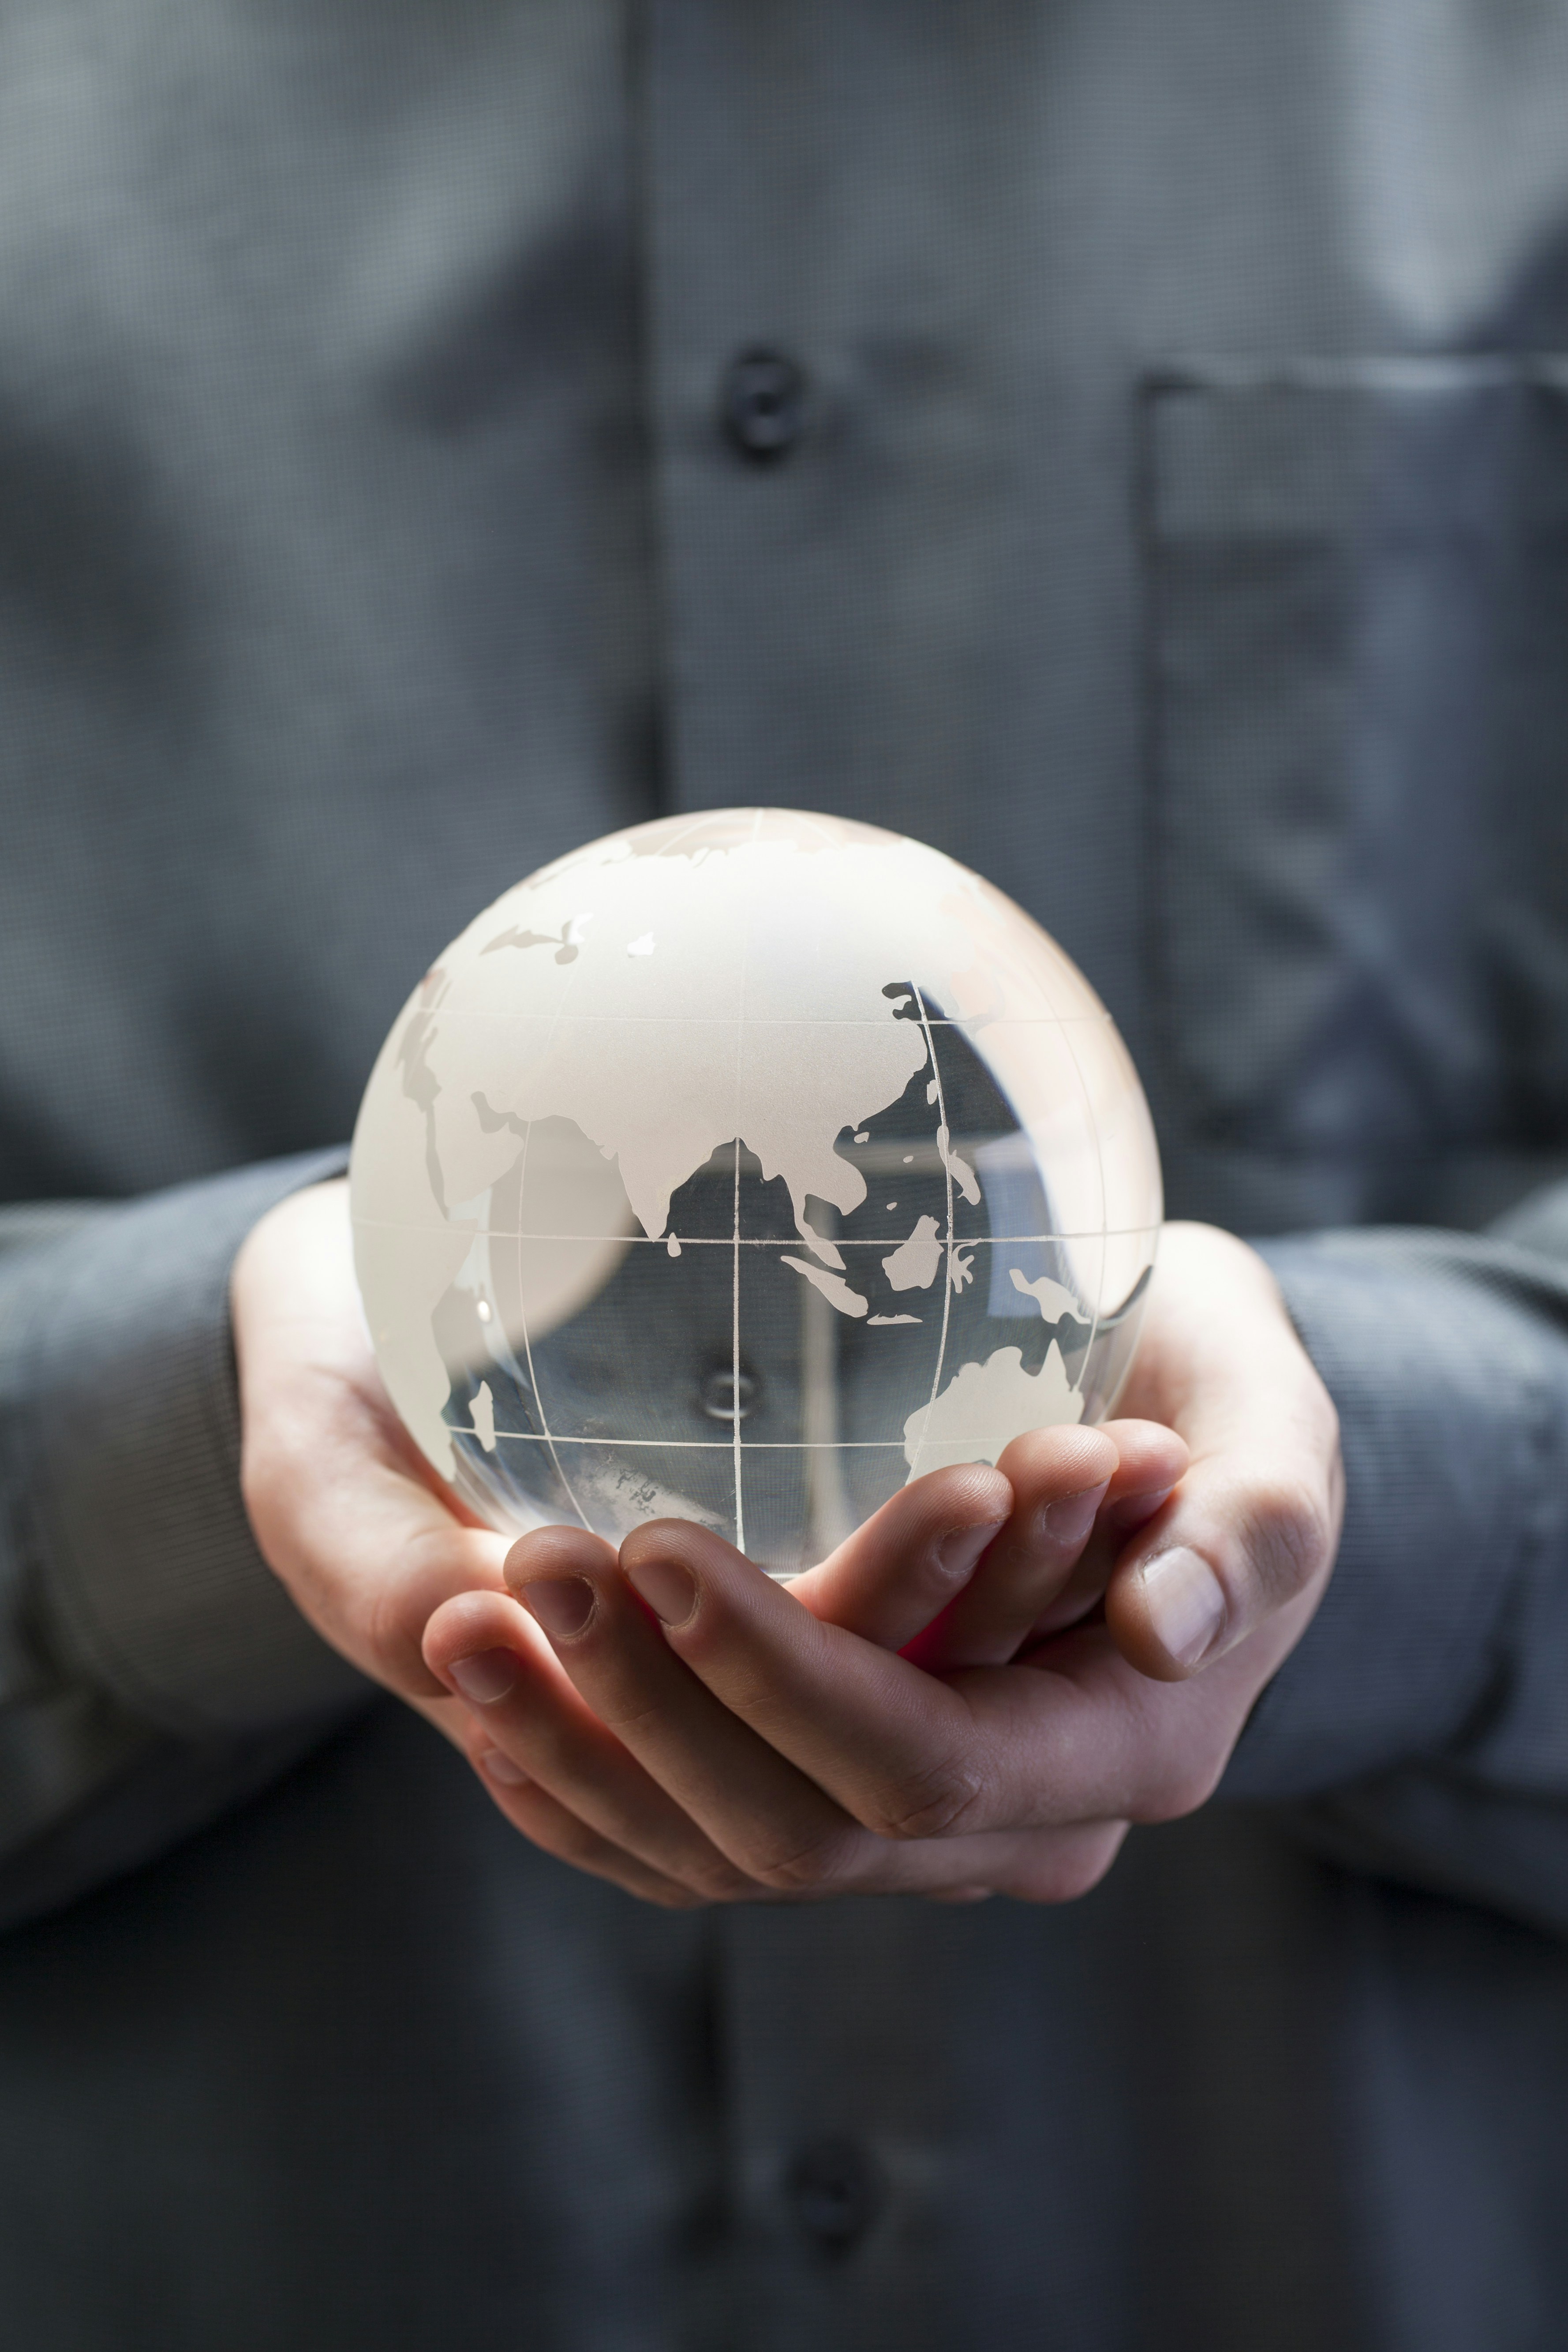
{"x": 713, "y": 1445}
{"x": 765, "y": 1241}
{"x": 969, "y": 1023}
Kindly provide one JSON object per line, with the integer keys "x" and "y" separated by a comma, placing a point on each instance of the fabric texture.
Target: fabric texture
{"x": 1441, "y": 1630}
{"x": 1174, "y": 536}
{"x": 155, "y": 1593}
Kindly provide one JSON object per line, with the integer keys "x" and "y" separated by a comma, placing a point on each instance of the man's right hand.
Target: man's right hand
{"x": 346, "y": 1511}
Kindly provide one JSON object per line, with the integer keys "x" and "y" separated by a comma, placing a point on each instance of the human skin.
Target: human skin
{"x": 978, "y": 1692}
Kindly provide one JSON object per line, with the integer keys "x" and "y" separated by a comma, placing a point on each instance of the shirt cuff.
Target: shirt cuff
{"x": 1448, "y": 1359}
{"x": 145, "y": 1579}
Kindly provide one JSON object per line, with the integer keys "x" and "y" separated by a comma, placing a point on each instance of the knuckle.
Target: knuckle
{"x": 712, "y": 1879}
{"x": 629, "y": 1713}
{"x": 390, "y": 1647}
{"x": 567, "y": 1841}
{"x": 823, "y": 1863}
{"x": 1180, "y": 1789}
{"x": 1066, "y": 1873}
{"x": 570, "y": 1842}
{"x": 1075, "y": 1879}
{"x": 1287, "y": 1536}
{"x": 935, "y": 1803}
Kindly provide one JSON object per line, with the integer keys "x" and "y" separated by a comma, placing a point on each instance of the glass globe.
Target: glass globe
{"x": 742, "y": 1167}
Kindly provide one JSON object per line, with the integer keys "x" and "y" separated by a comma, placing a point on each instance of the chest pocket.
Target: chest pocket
{"x": 1360, "y": 683}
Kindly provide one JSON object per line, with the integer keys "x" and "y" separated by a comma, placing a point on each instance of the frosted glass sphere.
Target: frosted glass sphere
{"x": 741, "y": 1168}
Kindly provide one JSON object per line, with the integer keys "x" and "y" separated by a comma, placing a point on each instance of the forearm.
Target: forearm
{"x": 150, "y": 1665}
{"x": 1420, "y": 1717}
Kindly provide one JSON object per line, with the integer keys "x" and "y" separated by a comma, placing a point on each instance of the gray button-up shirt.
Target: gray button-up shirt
{"x": 1160, "y": 499}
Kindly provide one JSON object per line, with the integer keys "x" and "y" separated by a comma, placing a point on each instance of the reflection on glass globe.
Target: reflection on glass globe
{"x": 741, "y": 1168}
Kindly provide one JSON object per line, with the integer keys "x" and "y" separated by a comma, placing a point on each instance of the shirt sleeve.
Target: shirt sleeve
{"x": 152, "y": 1670}
{"x": 1420, "y": 1729}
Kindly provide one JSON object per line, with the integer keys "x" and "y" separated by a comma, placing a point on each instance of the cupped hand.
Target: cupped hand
{"x": 674, "y": 1721}
{"x": 369, "y": 1541}
{"x": 346, "y": 1511}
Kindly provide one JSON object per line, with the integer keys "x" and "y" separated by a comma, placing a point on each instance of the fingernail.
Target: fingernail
{"x": 497, "y": 1767}
{"x": 669, "y": 1590}
{"x": 957, "y": 1553}
{"x": 1185, "y": 1605}
{"x": 486, "y": 1677}
{"x": 1131, "y": 1510}
{"x": 1070, "y": 1520}
{"x": 562, "y": 1604}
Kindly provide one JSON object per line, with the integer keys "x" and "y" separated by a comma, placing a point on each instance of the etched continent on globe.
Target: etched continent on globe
{"x": 742, "y": 1167}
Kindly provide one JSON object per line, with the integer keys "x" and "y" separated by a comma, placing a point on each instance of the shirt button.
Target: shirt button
{"x": 763, "y": 405}
{"x": 835, "y": 2190}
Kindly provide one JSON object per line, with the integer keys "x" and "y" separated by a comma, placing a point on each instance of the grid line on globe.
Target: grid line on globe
{"x": 741, "y": 1167}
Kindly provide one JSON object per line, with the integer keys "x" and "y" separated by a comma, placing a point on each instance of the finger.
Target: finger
{"x": 523, "y": 1707}
{"x": 765, "y": 1818}
{"x": 379, "y": 1557}
{"x": 1151, "y": 1460}
{"x": 346, "y": 1510}
{"x": 547, "y": 1825}
{"x": 1105, "y": 1741}
{"x": 1253, "y": 1526}
{"x": 893, "y": 1575}
{"x": 892, "y": 1745}
{"x": 1054, "y": 1866}
{"x": 864, "y": 1726}
{"x": 1058, "y": 1866}
{"x": 946, "y": 1773}
{"x": 1241, "y": 1539}
{"x": 539, "y": 1817}
{"x": 369, "y": 1552}
{"x": 448, "y": 1715}
{"x": 1069, "y": 1484}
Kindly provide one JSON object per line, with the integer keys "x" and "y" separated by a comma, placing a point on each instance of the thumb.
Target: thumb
{"x": 1253, "y": 1528}
{"x": 1245, "y": 1535}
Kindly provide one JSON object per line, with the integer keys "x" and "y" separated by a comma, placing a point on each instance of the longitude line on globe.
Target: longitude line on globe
{"x": 676, "y": 838}
{"x": 947, "y": 1238}
{"x": 522, "y": 1288}
{"x": 735, "y": 1273}
{"x": 735, "y": 1344}
{"x": 817, "y": 827}
{"x": 1100, "y": 1164}
{"x": 1065, "y": 1023}
{"x": 528, "y": 1354}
